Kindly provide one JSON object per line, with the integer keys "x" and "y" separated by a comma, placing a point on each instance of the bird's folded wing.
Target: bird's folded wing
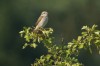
{"x": 39, "y": 19}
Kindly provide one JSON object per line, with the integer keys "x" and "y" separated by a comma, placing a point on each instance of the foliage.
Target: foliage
{"x": 33, "y": 38}
{"x": 61, "y": 54}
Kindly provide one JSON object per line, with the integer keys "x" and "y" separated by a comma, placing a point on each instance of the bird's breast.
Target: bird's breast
{"x": 43, "y": 22}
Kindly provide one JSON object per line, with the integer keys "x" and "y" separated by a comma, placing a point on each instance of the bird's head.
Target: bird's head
{"x": 44, "y": 13}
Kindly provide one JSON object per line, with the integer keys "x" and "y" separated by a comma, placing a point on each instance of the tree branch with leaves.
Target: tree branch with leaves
{"x": 65, "y": 54}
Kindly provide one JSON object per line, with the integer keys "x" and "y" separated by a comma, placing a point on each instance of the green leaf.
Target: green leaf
{"x": 48, "y": 57}
{"x": 27, "y": 38}
{"x": 97, "y": 33}
{"x": 57, "y": 48}
{"x": 84, "y": 27}
{"x": 90, "y": 50}
{"x": 81, "y": 46}
{"x": 99, "y": 51}
{"x": 33, "y": 45}
{"x": 94, "y": 26}
{"x": 25, "y": 45}
{"x": 79, "y": 38}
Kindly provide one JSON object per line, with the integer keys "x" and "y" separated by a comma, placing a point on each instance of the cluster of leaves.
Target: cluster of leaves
{"x": 33, "y": 38}
{"x": 90, "y": 38}
{"x": 62, "y": 54}
{"x": 57, "y": 56}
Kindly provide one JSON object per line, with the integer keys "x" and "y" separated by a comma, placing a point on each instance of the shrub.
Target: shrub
{"x": 65, "y": 54}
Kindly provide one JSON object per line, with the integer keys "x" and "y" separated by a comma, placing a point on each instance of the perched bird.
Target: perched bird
{"x": 42, "y": 20}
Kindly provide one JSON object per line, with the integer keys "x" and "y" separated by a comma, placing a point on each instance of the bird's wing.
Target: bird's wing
{"x": 39, "y": 19}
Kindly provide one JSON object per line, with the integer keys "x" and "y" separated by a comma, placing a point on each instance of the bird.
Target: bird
{"x": 42, "y": 20}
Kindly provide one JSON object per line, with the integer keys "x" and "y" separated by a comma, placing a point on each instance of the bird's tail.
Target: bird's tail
{"x": 36, "y": 28}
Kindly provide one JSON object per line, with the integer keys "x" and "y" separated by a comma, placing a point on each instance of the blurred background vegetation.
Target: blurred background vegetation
{"x": 66, "y": 17}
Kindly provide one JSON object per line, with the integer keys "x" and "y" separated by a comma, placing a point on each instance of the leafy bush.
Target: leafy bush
{"x": 65, "y": 54}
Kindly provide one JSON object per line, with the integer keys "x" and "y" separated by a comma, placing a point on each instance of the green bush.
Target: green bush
{"x": 65, "y": 54}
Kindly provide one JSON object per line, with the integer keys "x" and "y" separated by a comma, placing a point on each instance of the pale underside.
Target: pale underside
{"x": 41, "y": 22}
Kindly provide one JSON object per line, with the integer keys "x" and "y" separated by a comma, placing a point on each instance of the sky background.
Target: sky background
{"x": 66, "y": 17}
